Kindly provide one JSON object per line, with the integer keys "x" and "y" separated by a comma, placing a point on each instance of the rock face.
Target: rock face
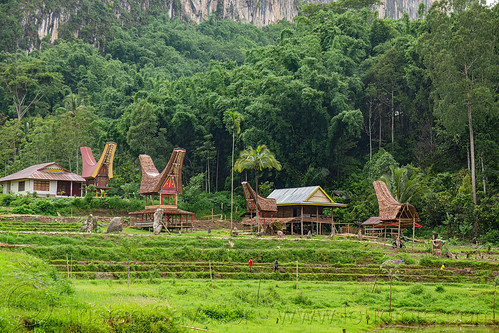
{"x": 116, "y": 225}
{"x": 158, "y": 221}
{"x": 395, "y": 9}
{"x": 90, "y": 224}
{"x": 48, "y": 21}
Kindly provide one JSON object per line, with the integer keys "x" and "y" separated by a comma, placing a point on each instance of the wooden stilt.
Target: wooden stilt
{"x": 301, "y": 220}
{"x": 317, "y": 219}
{"x": 413, "y": 231}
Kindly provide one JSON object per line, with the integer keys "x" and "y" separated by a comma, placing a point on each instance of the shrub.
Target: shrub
{"x": 79, "y": 203}
{"x": 439, "y": 288}
{"x": 416, "y": 289}
{"x": 7, "y": 199}
{"x": 492, "y": 237}
{"x": 23, "y": 209}
{"x": 301, "y": 299}
{"x": 43, "y": 206}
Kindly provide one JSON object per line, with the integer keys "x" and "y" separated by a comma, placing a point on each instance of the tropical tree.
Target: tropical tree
{"x": 460, "y": 52}
{"x": 28, "y": 81}
{"x": 233, "y": 120}
{"x": 257, "y": 159}
{"x": 143, "y": 128}
{"x": 404, "y": 184}
{"x": 73, "y": 118}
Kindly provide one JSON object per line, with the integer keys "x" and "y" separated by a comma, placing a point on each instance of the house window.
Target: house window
{"x": 20, "y": 186}
{"x": 42, "y": 185}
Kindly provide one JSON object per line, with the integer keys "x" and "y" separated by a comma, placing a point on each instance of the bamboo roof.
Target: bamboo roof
{"x": 264, "y": 204}
{"x": 390, "y": 209}
{"x": 152, "y": 180}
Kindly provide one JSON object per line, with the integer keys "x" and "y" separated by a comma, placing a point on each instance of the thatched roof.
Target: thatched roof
{"x": 152, "y": 180}
{"x": 389, "y": 208}
{"x": 373, "y": 220}
{"x": 264, "y": 204}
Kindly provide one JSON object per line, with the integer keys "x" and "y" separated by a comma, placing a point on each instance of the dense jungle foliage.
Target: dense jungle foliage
{"x": 340, "y": 96}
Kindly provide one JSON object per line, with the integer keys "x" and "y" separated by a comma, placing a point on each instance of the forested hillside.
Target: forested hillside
{"x": 340, "y": 96}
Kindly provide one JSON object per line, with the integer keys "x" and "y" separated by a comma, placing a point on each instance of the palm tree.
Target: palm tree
{"x": 257, "y": 159}
{"x": 73, "y": 104}
{"x": 234, "y": 120}
{"x": 404, "y": 184}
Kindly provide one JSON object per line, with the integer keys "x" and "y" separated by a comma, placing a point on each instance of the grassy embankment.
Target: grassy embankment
{"x": 35, "y": 297}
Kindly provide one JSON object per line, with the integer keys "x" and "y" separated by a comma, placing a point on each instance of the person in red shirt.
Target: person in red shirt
{"x": 250, "y": 264}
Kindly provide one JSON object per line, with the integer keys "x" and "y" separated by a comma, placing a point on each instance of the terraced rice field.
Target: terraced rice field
{"x": 220, "y": 270}
{"x": 102, "y": 256}
{"x": 202, "y": 281}
{"x": 17, "y": 226}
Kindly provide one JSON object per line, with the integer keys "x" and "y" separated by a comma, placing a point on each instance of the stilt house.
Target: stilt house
{"x": 165, "y": 185}
{"x": 302, "y": 209}
{"x": 392, "y": 214}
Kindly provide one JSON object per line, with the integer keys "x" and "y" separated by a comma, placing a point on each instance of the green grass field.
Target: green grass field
{"x": 68, "y": 281}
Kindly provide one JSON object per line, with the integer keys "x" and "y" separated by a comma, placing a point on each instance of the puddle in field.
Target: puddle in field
{"x": 440, "y": 329}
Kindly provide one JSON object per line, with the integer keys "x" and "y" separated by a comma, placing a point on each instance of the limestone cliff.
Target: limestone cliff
{"x": 81, "y": 17}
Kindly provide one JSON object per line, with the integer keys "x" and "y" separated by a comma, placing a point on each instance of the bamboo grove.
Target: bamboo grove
{"x": 340, "y": 96}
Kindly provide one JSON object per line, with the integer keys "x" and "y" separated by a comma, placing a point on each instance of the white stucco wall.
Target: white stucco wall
{"x": 29, "y": 185}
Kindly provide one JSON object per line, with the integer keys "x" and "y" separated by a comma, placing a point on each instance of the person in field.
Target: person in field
{"x": 250, "y": 264}
{"x": 276, "y": 264}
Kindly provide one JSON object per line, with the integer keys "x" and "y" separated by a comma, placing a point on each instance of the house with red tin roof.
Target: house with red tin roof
{"x": 46, "y": 179}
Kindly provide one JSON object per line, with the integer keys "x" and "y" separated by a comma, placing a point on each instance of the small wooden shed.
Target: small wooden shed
{"x": 392, "y": 214}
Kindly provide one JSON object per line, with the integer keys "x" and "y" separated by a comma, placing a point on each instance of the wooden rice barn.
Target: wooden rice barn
{"x": 267, "y": 208}
{"x": 393, "y": 216}
{"x": 98, "y": 173}
{"x": 165, "y": 185}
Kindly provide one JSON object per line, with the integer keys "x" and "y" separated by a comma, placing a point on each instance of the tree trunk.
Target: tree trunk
{"x": 393, "y": 122}
{"x": 232, "y": 180}
{"x": 256, "y": 201}
{"x": 216, "y": 174}
{"x": 472, "y": 147}
{"x": 472, "y": 139}
{"x": 370, "y": 133}
{"x": 379, "y": 142}
{"x": 484, "y": 178}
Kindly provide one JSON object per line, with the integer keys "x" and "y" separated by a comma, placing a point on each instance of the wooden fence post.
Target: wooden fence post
{"x": 211, "y": 279}
{"x": 297, "y": 277}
